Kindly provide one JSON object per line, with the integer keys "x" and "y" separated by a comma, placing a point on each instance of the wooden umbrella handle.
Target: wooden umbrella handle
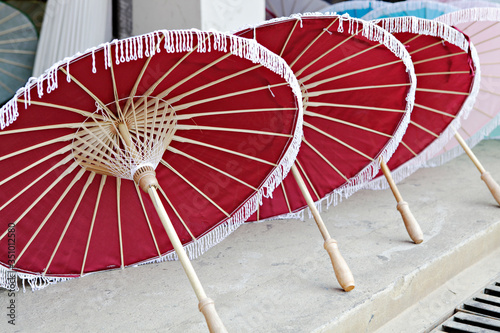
{"x": 214, "y": 323}
{"x": 485, "y": 176}
{"x": 411, "y": 224}
{"x": 342, "y": 271}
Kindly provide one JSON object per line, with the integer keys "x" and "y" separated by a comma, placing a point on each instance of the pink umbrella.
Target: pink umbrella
{"x": 482, "y": 25}
{"x": 357, "y": 86}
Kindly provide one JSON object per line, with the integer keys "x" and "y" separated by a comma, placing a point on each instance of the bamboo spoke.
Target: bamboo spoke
{"x": 228, "y": 112}
{"x": 286, "y": 196}
{"x": 13, "y": 63}
{"x": 65, "y": 108}
{"x": 176, "y": 213}
{"x": 409, "y": 149}
{"x": 17, "y": 51}
{"x": 434, "y": 110}
{"x": 324, "y": 69}
{"x": 425, "y": 48}
{"x": 38, "y": 162}
{"x": 288, "y": 37}
{"x": 96, "y": 206}
{"x": 350, "y": 106}
{"x": 338, "y": 141}
{"x": 147, "y": 219}
{"x": 42, "y": 144}
{"x": 326, "y": 160}
{"x": 333, "y": 91}
{"x": 441, "y": 73}
{"x": 359, "y": 71}
{"x": 483, "y": 113}
{"x": 412, "y": 39}
{"x": 192, "y": 158}
{"x": 7, "y": 88}
{"x": 437, "y": 91}
{"x": 489, "y": 92}
{"x": 70, "y": 219}
{"x": 194, "y": 187}
{"x": 18, "y": 40}
{"x": 41, "y": 128}
{"x": 199, "y": 143}
{"x": 308, "y": 180}
{"x": 325, "y": 30}
{"x": 49, "y": 215}
{"x": 482, "y": 30}
{"x": 424, "y": 129}
{"x": 483, "y": 52}
{"x": 438, "y": 58}
{"x": 15, "y": 77}
{"x": 224, "y": 129}
{"x": 319, "y": 115}
{"x": 220, "y": 97}
{"x": 113, "y": 81}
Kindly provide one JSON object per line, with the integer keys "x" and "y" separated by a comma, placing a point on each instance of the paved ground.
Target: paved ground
{"x": 276, "y": 277}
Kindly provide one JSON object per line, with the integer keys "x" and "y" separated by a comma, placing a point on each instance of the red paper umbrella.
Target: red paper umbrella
{"x": 446, "y": 66}
{"x": 205, "y": 123}
{"x": 482, "y": 25}
{"x": 357, "y": 85}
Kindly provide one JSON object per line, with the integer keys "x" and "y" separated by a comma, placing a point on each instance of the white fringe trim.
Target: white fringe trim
{"x": 419, "y": 161}
{"x": 373, "y": 33}
{"x": 178, "y": 41}
{"x": 407, "y": 6}
{"x": 470, "y": 15}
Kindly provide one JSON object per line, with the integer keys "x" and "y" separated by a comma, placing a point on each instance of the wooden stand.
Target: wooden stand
{"x": 206, "y": 305}
{"x": 342, "y": 271}
{"x": 411, "y": 224}
{"x": 485, "y": 176}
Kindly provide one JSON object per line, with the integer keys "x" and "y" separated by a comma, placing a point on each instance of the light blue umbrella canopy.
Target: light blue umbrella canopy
{"x": 18, "y": 41}
{"x": 423, "y": 9}
{"x": 356, "y": 8}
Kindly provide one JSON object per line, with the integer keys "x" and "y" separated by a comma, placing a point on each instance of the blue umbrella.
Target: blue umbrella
{"x": 423, "y": 9}
{"x": 356, "y": 8}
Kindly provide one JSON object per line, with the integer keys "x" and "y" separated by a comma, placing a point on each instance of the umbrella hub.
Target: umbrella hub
{"x": 126, "y": 139}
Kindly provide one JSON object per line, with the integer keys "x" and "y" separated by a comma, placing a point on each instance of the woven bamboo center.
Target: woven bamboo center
{"x": 125, "y": 136}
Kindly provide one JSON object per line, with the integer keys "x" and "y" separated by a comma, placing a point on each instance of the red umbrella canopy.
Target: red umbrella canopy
{"x": 447, "y": 70}
{"x": 215, "y": 115}
{"x": 357, "y": 87}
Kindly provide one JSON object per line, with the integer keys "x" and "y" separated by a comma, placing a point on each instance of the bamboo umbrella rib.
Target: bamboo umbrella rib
{"x": 491, "y": 76}
{"x": 437, "y": 91}
{"x": 482, "y": 30}
{"x": 325, "y": 30}
{"x": 333, "y": 78}
{"x": 133, "y": 91}
{"x": 10, "y": 91}
{"x": 41, "y": 128}
{"x": 22, "y": 80}
{"x": 424, "y": 129}
{"x": 177, "y": 151}
{"x": 425, "y": 47}
{"x": 18, "y": 40}
{"x": 482, "y": 52}
{"x": 113, "y": 81}
{"x": 194, "y": 142}
{"x": 60, "y": 163}
{"x": 49, "y": 215}
{"x": 8, "y": 17}
{"x": 483, "y": 112}
{"x": 286, "y": 196}
{"x": 211, "y": 83}
{"x": 224, "y": 129}
{"x": 147, "y": 219}
{"x": 350, "y": 106}
{"x": 216, "y": 98}
{"x": 38, "y": 162}
{"x": 319, "y": 115}
{"x": 338, "y": 141}
{"x": 489, "y": 92}
{"x": 438, "y": 58}
{"x": 65, "y": 108}
{"x": 96, "y": 206}
{"x": 466, "y": 133}
{"x": 441, "y": 73}
{"x": 288, "y": 37}
{"x": 42, "y": 144}
{"x": 409, "y": 149}
{"x": 333, "y": 91}
{"x": 119, "y": 219}
{"x": 411, "y": 39}
{"x": 13, "y": 63}
{"x": 490, "y": 63}
{"x": 17, "y": 51}
{"x": 176, "y": 213}
{"x": 434, "y": 110}
{"x": 352, "y": 56}
{"x": 308, "y": 180}
{"x": 77, "y": 204}
{"x": 325, "y": 159}
{"x": 468, "y": 26}
{"x": 91, "y": 94}
{"x": 194, "y": 187}
{"x": 228, "y": 112}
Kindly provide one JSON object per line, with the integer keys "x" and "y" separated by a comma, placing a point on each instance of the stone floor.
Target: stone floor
{"x": 276, "y": 277}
